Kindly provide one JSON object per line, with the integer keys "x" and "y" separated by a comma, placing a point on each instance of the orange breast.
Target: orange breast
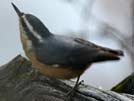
{"x": 61, "y": 72}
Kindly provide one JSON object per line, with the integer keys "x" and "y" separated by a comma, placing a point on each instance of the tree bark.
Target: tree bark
{"x": 18, "y": 83}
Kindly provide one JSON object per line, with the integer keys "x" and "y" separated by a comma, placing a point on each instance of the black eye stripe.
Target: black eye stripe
{"x": 37, "y": 25}
{"x": 28, "y": 32}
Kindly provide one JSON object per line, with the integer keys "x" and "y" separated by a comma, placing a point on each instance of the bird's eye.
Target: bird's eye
{"x": 22, "y": 14}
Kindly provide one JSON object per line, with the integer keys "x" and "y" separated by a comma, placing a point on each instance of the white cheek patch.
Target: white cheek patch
{"x": 35, "y": 34}
{"x": 29, "y": 44}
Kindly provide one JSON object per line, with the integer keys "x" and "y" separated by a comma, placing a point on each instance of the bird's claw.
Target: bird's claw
{"x": 75, "y": 88}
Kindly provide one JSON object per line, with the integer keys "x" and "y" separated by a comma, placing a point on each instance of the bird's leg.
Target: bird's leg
{"x": 34, "y": 74}
{"x": 72, "y": 91}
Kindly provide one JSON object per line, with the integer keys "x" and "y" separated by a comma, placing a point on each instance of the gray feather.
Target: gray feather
{"x": 72, "y": 51}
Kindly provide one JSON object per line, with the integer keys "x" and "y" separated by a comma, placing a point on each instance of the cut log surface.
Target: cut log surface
{"x": 19, "y": 83}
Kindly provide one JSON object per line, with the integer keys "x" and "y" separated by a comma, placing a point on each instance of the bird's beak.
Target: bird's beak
{"x": 19, "y": 13}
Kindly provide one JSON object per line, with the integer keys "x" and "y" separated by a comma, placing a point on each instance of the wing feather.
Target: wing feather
{"x": 73, "y": 52}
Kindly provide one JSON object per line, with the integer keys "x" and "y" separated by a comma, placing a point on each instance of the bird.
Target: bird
{"x": 59, "y": 56}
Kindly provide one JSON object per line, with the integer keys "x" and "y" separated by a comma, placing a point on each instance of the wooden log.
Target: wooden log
{"x": 18, "y": 83}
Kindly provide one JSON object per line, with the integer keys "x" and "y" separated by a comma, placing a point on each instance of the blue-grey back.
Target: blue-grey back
{"x": 55, "y": 49}
{"x": 72, "y": 51}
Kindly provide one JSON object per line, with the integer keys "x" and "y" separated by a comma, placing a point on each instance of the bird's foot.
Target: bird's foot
{"x": 34, "y": 74}
{"x": 74, "y": 89}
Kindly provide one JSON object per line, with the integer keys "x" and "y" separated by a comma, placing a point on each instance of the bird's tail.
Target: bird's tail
{"x": 106, "y": 54}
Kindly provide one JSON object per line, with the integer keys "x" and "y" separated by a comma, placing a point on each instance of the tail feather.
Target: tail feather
{"x": 101, "y": 53}
{"x": 115, "y": 52}
{"x": 106, "y": 54}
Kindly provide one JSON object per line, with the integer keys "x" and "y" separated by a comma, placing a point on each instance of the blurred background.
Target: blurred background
{"x": 105, "y": 22}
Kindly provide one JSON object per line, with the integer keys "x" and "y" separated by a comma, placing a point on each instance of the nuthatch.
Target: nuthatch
{"x": 59, "y": 56}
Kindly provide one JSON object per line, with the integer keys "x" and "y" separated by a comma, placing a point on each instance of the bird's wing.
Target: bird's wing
{"x": 99, "y": 53}
{"x": 100, "y": 48}
{"x": 76, "y": 52}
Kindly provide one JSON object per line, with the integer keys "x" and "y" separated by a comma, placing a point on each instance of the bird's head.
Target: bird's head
{"x": 32, "y": 26}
